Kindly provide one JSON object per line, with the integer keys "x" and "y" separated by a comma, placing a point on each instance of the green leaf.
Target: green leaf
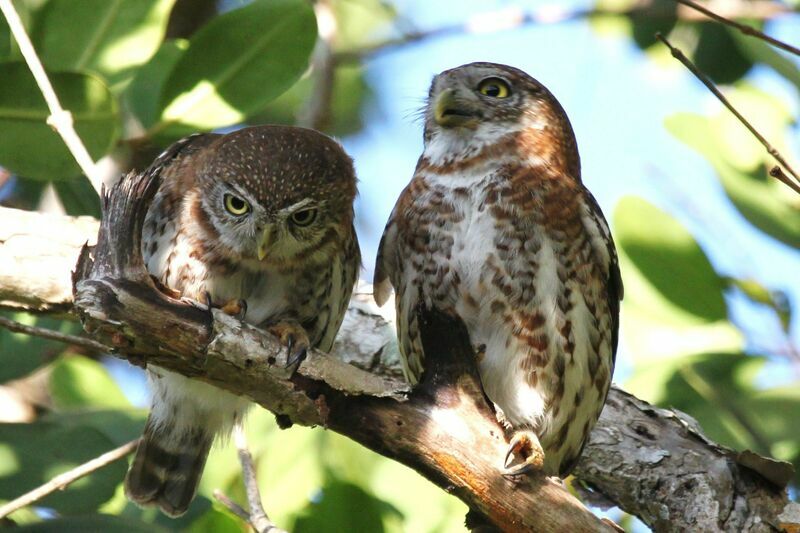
{"x": 78, "y": 197}
{"x": 118, "y": 425}
{"x": 96, "y": 523}
{"x": 346, "y": 505}
{"x": 33, "y": 454}
{"x": 143, "y": 92}
{"x": 237, "y": 63}
{"x": 110, "y": 37}
{"x": 28, "y": 146}
{"x": 717, "y": 54}
{"x": 22, "y": 354}
{"x": 777, "y": 300}
{"x": 79, "y": 382}
{"x": 669, "y": 257}
{"x": 674, "y": 304}
{"x": 739, "y": 162}
{"x": 5, "y": 40}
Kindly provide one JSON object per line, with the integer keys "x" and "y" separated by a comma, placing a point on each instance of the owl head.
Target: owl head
{"x": 483, "y": 105}
{"x": 276, "y": 194}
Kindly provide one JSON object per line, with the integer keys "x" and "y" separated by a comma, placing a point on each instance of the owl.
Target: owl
{"x": 258, "y": 222}
{"x": 497, "y": 229}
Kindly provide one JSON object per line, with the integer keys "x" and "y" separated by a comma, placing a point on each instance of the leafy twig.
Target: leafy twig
{"x": 60, "y": 119}
{"x": 744, "y": 28}
{"x": 677, "y": 54}
{"x": 62, "y": 481}
{"x": 18, "y": 327}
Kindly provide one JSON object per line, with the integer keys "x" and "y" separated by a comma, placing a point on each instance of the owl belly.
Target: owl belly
{"x": 537, "y": 341}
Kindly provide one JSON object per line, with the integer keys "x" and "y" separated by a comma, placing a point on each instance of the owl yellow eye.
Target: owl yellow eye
{"x": 235, "y": 205}
{"x": 494, "y": 88}
{"x": 304, "y": 217}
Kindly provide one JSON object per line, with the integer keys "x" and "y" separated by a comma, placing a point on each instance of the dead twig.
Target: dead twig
{"x": 744, "y": 28}
{"x": 19, "y": 327}
{"x": 679, "y": 55}
{"x": 62, "y": 481}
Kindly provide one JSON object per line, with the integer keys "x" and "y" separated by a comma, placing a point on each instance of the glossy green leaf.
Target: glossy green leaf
{"x": 110, "y": 37}
{"x": 32, "y": 454}
{"x": 92, "y": 523}
{"x": 739, "y": 162}
{"x": 5, "y": 40}
{"x": 79, "y": 382}
{"x": 22, "y": 354}
{"x": 144, "y": 91}
{"x": 237, "y": 63}
{"x": 28, "y": 146}
{"x": 674, "y": 304}
{"x": 669, "y": 257}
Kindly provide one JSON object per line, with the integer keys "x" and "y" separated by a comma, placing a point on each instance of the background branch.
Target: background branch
{"x": 62, "y": 481}
{"x": 677, "y": 54}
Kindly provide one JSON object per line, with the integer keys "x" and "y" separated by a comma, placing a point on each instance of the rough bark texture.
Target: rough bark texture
{"x": 652, "y": 462}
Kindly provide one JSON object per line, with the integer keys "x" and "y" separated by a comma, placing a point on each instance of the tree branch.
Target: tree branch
{"x": 62, "y": 481}
{"x": 653, "y": 463}
{"x": 677, "y": 54}
{"x": 514, "y": 17}
{"x": 744, "y": 28}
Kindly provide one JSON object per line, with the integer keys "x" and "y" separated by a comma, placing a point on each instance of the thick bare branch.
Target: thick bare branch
{"x": 639, "y": 457}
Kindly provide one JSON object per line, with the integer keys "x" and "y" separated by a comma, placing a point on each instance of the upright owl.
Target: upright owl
{"x": 259, "y": 222}
{"x": 497, "y": 229}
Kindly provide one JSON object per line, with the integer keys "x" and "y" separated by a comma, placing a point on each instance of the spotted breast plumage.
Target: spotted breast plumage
{"x": 497, "y": 229}
{"x": 260, "y": 223}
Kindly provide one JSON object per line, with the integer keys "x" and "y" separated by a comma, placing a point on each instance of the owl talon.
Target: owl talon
{"x": 294, "y": 337}
{"x": 525, "y": 445}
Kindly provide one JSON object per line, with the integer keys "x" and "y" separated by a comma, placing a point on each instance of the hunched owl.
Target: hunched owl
{"x": 259, "y": 222}
{"x": 497, "y": 229}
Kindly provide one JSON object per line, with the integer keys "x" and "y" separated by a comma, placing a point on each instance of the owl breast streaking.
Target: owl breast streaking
{"x": 259, "y": 221}
{"x": 497, "y": 229}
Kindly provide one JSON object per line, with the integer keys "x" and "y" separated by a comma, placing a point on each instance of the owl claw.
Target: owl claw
{"x": 294, "y": 337}
{"x": 524, "y": 444}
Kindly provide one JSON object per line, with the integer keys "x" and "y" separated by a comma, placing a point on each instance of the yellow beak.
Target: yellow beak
{"x": 265, "y": 242}
{"x": 449, "y": 112}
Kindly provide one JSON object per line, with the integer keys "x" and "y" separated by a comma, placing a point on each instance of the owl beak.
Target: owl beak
{"x": 452, "y": 112}
{"x": 265, "y": 242}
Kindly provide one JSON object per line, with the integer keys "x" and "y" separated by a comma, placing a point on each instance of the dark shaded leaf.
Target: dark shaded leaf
{"x": 78, "y": 197}
{"x": 22, "y": 354}
{"x": 28, "y": 146}
{"x": 237, "y": 64}
{"x": 33, "y": 454}
{"x": 92, "y": 524}
{"x": 717, "y": 54}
